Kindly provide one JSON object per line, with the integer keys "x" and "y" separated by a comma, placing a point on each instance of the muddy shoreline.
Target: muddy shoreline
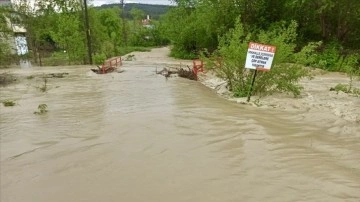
{"x": 316, "y": 100}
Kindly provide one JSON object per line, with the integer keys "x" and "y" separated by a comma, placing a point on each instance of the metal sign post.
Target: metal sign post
{"x": 259, "y": 57}
{"x": 252, "y": 85}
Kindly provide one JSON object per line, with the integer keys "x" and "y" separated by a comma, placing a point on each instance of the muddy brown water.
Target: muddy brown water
{"x": 134, "y": 136}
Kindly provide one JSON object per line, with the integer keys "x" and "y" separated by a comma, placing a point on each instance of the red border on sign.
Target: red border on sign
{"x": 261, "y": 47}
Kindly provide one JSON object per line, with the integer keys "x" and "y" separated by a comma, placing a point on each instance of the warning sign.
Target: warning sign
{"x": 260, "y": 56}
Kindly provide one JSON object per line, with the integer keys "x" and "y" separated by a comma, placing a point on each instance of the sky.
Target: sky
{"x": 161, "y": 2}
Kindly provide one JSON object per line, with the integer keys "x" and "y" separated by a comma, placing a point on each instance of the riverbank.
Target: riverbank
{"x": 316, "y": 102}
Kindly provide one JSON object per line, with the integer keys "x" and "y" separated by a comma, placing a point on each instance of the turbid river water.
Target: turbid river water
{"x": 137, "y": 137}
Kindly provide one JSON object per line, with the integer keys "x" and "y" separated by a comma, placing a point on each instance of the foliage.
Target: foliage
{"x": 68, "y": 38}
{"x": 155, "y": 11}
{"x": 30, "y": 77}
{"x": 308, "y": 55}
{"x": 44, "y": 87}
{"x": 346, "y": 88}
{"x": 5, "y": 54}
{"x": 283, "y": 77}
{"x": 351, "y": 65}
{"x": 8, "y": 103}
{"x": 42, "y": 109}
{"x": 99, "y": 58}
{"x": 196, "y": 24}
{"x": 56, "y": 31}
{"x": 341, "y": 87}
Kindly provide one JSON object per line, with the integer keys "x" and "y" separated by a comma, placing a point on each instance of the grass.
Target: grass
{"x": 44, "y": 88}
{"x": 342, "y": 87}
{"x": 345, "y": 88}
{"x": 42, "y": 109}
{"x": 8, "y": 103}
{"x": 30, "y": 77}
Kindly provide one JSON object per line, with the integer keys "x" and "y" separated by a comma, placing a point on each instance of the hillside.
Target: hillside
{"x": 155, "y": 11}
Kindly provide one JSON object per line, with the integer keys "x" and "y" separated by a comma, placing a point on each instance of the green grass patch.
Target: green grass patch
{"x": 9, "y": 103}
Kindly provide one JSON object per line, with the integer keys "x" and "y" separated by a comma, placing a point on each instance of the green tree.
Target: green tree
{"x": 69, "y": 37}
{"x": 5, "y": 33}
{"x": 109, "y": 23}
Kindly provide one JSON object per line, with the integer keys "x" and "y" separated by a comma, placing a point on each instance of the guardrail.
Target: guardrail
{"x": 110, "y": 64}
{"x": 198, "y": 66}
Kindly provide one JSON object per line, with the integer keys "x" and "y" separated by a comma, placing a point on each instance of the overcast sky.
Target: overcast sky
{"x": 100, "y": 2}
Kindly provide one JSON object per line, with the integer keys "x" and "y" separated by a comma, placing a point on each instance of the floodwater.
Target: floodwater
{"x": 137, "y": 137}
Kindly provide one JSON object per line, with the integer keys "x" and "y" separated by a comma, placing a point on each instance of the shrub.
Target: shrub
{"x": 283, "y": 77}
{"x": 42, "y": 109}
{"x": 308, "y": 55}
{"x": 99, "y": 58}
{"x": 341, "y": 87}
{"x": 351, "y": 65}
{"x": 8, "y": 103}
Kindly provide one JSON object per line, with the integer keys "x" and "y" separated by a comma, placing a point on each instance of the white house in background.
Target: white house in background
{"x": 17, "y": 40}
{"x": 147, "y": 22}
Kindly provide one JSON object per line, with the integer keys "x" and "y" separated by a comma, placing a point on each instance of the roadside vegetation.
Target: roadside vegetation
{"x": 318, "y": 34}
{"x": 56, "y": 32}
{"x": 308, "y": 34}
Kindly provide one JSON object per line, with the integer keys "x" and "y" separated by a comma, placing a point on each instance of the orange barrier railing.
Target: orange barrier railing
{"x": 198, "y": 66}
{"x": 111, "y": 63}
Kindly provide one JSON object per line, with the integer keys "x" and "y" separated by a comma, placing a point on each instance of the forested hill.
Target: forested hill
{"x": 155, "y": 11}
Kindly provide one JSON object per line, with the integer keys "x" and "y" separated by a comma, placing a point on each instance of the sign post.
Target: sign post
{"x": 259, "y": 58}
{"x": 252, "y": 85}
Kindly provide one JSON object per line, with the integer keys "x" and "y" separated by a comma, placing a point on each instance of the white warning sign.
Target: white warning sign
{"x": 260, "y": 56}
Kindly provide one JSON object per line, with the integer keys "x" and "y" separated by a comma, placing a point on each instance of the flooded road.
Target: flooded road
{"x": 134, "y": 136}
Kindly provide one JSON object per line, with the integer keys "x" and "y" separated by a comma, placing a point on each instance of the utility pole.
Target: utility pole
{"x": 124, "y": 23}
{"x": 87, "y": 30}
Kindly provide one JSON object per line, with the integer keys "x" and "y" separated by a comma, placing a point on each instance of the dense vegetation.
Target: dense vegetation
{"x": 317, "y": 33}
{"x": 4, "y": 35}
{"x": 155, "y": 11}
{"x": 56, "y": 31}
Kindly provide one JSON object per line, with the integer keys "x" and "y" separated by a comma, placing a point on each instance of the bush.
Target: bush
{"x": 5, "y": 55}
{"x": 328, "y": 59}
{"x": 283, "y": 77}
{"x": 8, "y": 103}
{"x": 42, "y": 109}
{"x": 345, "y": 88}
{"x": 341, "y": 87}
{"x": 99, "y": 58}
{"x": 308, "y": 55}
{"x": 182, "y": 54}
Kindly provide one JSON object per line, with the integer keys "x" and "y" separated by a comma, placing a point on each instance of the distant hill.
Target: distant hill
{"x": 155, "y": 11}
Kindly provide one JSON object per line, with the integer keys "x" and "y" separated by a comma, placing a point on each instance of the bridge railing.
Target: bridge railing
{"x": 111, "y": 63}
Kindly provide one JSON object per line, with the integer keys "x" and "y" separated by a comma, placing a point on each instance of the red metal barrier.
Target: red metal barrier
{"x": 110, "y": 64}
{"x": 198, "y": 66}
